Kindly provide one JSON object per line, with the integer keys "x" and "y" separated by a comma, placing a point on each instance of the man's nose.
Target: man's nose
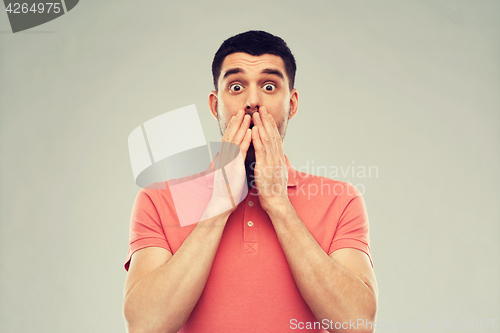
{"x": 254, "y": 100}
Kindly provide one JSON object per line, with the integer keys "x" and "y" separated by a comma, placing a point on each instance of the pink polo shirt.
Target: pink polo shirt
{"x": 250, "y": 287}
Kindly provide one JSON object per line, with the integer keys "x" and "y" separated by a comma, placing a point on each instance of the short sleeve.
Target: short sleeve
{"x": 352, "y": 226}
{"x": 146, "y": 229}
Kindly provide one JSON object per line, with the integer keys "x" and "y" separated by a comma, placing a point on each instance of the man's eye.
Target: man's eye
{"x": 235, "y": 87}
{"x": 269, "y": 87}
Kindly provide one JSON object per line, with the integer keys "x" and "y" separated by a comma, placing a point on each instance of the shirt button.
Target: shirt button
{"x": 250, "y": 223}
{"x": 250, "y": 203}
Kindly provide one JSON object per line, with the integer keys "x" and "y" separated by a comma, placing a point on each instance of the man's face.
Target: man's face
{"x": 249, "y": 82}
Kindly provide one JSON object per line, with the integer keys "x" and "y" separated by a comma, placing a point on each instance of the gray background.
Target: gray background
{"x": 411, "y": 87}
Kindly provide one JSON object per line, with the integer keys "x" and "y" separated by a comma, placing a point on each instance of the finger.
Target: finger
{"x": 267, "y": 125}
{"x": 279, "y": 157}
{"x": 228, "y": 129}
{"x": 245, "y": 144}
{"x": 275, "y": 156}
{"x": 233, "y": 126}
{"x": 277, "y": 135}
{"x": 260, "y": 152}
{"x": 264, "y": 138}
{"x": 242, "y": 130}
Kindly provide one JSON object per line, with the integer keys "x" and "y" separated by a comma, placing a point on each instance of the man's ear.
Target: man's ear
{"x": 212, "y": 103}
{"x": 294, "y": 103}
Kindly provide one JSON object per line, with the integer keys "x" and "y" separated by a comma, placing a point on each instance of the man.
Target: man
{"x": 284, "y": 258}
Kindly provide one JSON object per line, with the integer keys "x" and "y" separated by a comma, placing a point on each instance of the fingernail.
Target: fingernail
{"x": 240, "y": 112}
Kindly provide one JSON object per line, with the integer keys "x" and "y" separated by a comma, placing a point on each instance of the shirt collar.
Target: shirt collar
{"x": 292, "y": 181}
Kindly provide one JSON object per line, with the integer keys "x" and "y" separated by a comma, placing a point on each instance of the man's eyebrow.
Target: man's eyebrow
{"x": 273, "y": 71}
{"x": 232, "y": 71}
{"x": 264, "y": 71}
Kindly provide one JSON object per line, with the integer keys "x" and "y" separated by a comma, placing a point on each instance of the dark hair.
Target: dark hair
{"x": 256, "y": 43}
